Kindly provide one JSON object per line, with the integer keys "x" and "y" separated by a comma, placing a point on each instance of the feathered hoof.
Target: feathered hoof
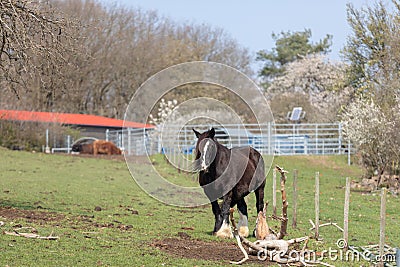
{"x": 224, "y": 232}
{"x": 244, "y": 231}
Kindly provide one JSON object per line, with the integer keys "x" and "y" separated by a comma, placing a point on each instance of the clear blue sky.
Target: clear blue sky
{"x": 252, "y": 22}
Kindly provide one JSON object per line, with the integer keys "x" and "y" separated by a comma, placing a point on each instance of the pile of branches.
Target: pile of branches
{"x": 270, "y": 245}
{"x": 391, "y": 182}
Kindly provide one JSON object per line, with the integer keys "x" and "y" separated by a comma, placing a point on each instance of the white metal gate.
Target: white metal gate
{"x": 280, "y": 139}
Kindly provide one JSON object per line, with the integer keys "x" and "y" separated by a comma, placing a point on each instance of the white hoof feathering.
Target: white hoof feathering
{"x": 244, "y": 231}
{"x": 225, "y": 231}
{"x": 243, "y": 225}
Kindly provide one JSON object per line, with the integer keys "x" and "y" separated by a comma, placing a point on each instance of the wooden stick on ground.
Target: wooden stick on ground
{"x": 31, "y": 235}
{"x": 242, "y": 240}
{"x": 274, "y": 249}
{"x": 312, "y": 224}
{"x": 326, "y": 224}
{"x": 239, "y": 242}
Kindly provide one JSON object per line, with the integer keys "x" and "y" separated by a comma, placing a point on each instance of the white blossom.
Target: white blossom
{"x": 316, "y": 79}
{"x": 374, "y": 132}
{"x": 165, "y": 109}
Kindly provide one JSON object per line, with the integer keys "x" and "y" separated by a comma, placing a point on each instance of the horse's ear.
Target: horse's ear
{"x": 196, "y": 133}
{"x": 211, "y": 133}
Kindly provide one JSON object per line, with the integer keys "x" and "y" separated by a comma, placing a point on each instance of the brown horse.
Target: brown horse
{"x": 230, "y": 174}
{"x": 86, "y": 149}
{"x": 105, "y": 147}
{"x": 83, "y": 148}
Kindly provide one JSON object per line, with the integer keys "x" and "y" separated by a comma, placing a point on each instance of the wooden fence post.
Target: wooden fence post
{"x": 274, "y": 191}
{"x": 294, "y": 219}
{"x": 346, "y": 213}
{"x": 382, "y": 227}
{"x": 316, "y": 205}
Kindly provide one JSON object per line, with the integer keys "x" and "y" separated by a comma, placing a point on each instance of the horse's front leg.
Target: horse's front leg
{"x": 217, "y": 213}
{"x": 224, "y": 230}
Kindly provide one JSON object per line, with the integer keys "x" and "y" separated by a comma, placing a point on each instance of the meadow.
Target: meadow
{"x": 103, "y": 218}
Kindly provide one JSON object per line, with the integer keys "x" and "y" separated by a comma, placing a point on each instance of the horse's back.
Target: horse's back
{"x": 254, "y": 175}
{"x": 254, "y": 157}
{"x": 105, "y": 147}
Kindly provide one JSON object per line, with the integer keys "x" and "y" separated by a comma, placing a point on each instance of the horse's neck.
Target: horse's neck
{"x": 223, "y": 155}
{"x": 222, "y": 148}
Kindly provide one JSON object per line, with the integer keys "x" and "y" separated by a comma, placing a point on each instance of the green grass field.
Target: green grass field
{"x": 63, "y": 191}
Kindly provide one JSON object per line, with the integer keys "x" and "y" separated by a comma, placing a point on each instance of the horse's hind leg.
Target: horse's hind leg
{"x": 260, "y": 197}
{"x": 259, "y": 200}
{"x": 243, "y": 218}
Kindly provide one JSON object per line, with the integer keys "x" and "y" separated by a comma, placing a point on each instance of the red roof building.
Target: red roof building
{"x": 88, "y": 124}
{"x": 69, "y": 119}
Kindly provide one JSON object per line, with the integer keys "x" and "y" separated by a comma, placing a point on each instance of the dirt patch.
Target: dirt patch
{"x": 42, "y": 218}
{"x": 88, "y": 220}
{"x": 131, "y": 159}
{"x": 30, "y": 215}
{"x": 183, "y": 246}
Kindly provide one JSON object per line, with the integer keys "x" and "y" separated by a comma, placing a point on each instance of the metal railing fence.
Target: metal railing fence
{"x": 269, "y": 138}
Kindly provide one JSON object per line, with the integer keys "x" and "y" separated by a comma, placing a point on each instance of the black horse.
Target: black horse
{"x": 230, "y": 174}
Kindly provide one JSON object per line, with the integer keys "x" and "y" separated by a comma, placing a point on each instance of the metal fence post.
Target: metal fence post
{"x": 159, "y": 142}
{"x": 129, "y": 141}
{"x": 47, "y": 149}
{"x": 293, "y": 141}
{"x": 305, "y": 145}
{"x": 68, "y": 143}
{"x": 119, "y": 139}
{"x": 316, "y": 139}
{"x": 239, "y": 133}
{"x": 348, "y": 153}
{"x": 269, "y": 139}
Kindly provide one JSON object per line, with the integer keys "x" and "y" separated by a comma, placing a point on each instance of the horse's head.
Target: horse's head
{"x": 206, "y": 150}
{"x": 76, "y": 147}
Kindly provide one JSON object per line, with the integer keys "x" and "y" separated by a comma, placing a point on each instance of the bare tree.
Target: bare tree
{"x": 82, "y": 56}
{"x": 34, "y": 42}
{"x": 127, "y": 46}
